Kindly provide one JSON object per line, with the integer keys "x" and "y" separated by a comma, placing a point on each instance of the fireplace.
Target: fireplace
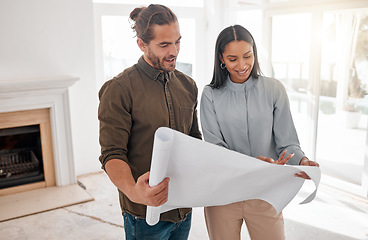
{"x": 20, "y": 156}
{"x": 35, "y": 117}
{"x": 26, "y": 151}
{"x": 35, "y": 135}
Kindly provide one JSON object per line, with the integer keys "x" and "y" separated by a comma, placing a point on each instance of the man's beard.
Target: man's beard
{"x": 159, "y": 64}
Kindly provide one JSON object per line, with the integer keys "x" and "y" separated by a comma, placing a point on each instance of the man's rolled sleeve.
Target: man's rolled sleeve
{"x": 115, "y": 122}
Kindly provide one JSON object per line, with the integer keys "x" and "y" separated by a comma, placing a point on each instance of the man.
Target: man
{"x": 133, "y": 105}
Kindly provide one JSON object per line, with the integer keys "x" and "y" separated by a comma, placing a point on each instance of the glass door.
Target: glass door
{"x": 290, "y": 58}
{"x": 325, "y": 72}
{"x": 343, "y": 107}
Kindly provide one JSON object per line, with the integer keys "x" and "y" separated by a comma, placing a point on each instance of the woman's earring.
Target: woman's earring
{"x": 222, "y": 66}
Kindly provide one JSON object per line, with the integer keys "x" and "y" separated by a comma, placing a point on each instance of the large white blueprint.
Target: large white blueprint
{"x": 203, "y": 174}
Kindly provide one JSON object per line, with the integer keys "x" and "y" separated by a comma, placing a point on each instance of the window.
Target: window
{"x": 120, "y": 48}
{"x": 116, "y": 44}
{"x": 343, "y": 107}
{"x": 290, "y": 64}
{"x": 320, "y": 55}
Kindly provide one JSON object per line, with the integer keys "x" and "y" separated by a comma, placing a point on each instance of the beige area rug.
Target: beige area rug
{"x": 41, "y": 200}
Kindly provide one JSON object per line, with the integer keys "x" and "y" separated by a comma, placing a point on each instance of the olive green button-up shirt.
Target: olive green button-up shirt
{"x": 133, "y": 105}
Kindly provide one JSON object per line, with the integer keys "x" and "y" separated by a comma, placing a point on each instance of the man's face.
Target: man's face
{"x": 162, "y": 51}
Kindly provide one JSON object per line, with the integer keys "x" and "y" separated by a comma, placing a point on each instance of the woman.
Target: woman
{"x": 248, "y": 113}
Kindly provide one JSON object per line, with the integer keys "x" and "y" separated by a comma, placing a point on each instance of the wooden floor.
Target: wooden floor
{"x": 41, "y": 200}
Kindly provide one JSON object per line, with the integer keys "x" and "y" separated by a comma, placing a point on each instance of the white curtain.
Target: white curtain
{"x": 347, "y": 25}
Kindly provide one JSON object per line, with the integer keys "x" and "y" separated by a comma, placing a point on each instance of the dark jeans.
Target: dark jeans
{"x": 137, "y": 228}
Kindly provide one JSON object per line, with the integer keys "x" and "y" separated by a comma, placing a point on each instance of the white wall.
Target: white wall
{"x": 43, "y": 39}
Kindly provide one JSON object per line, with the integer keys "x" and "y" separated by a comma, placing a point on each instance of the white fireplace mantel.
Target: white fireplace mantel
{"x": 20, "y": 95}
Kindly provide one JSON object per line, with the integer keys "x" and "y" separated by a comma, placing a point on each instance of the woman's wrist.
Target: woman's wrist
{"x": 303, "y": 159}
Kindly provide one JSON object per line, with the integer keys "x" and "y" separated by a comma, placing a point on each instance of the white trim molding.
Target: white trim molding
{"x": 29, "y": 94}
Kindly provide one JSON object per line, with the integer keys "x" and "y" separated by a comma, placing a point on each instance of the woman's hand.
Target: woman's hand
{"x": 306, "y": 162}
{"x": 280, "y": 161}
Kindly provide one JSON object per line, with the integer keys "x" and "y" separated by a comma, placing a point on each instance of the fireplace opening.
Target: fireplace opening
{"x": 20, "y": 156}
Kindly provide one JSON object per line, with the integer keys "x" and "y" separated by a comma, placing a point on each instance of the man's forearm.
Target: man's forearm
{"x": 120, "y": 175}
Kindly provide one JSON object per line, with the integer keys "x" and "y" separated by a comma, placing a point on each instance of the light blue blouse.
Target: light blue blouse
{"x": 252, "y": 118}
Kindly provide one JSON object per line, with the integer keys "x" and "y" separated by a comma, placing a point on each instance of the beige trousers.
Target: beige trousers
{"x": 224, "y": 222}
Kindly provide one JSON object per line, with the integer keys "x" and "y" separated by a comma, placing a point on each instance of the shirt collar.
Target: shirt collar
{"x": 245, "y": 86}
{"x": 152, "y": 72}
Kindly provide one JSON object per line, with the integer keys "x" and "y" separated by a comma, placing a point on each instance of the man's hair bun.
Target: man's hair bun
{"x": 134, "y": 14}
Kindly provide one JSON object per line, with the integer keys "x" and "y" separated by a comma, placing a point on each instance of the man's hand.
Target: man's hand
{"x": 151, "y": 196}
{"x": 280, "y": 161}
{"x": 139, "y": 192}
{"x": 306, "y": 162}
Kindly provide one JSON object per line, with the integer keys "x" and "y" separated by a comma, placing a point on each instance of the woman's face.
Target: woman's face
{"x": 239, "y": 60}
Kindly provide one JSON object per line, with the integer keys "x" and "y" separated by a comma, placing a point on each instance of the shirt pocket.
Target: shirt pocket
{"x": 186, "y": 119}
